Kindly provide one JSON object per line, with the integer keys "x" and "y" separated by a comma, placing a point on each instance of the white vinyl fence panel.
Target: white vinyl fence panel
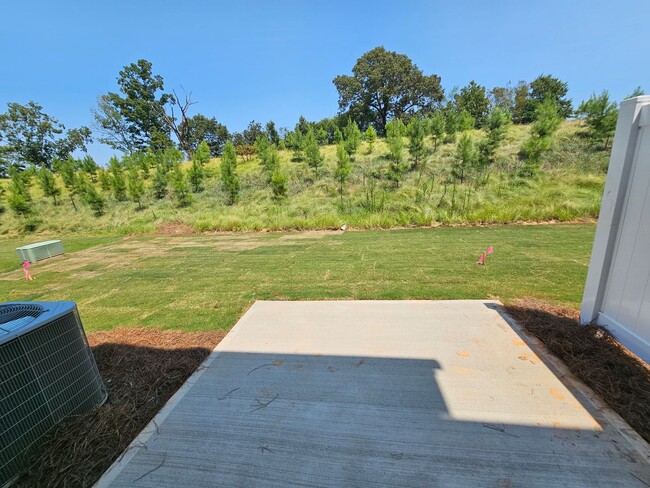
{"x": 617, "y": 292}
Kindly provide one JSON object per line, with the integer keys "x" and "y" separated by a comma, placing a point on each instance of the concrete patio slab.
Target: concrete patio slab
{"x": 382, "y": 393}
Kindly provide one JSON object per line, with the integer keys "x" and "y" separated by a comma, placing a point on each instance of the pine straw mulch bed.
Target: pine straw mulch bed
{"x": 617, "y": 376}
{"x": 142, "y": 368}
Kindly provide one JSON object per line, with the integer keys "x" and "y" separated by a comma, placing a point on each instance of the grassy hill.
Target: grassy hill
{"x": 568, "y": 187}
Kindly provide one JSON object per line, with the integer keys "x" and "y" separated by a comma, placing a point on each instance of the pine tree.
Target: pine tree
{"x": 547, "y": 122}
{"x": 196, "y": 175}
{"x": 321, "y": 136}
{"x": 436, "y": 128}
{"x": 135, "y": 186}
{"x": 600, "y": 115}
{"x": 352, "y": 137}
{"x": 19, "y": 199}
{"x": 371, "y": 137}
{"x": 229, "y": 172}
{"x": 338, "y": 136}
{"x": 312, "y": 152}
{"x": 279, "y": 180}
{"x": 416, "y": 133}
{"x": 496, "y": 127}
{"x": 394, "y": 137}
{"x": 202, "y": 154}
{"x": 90, "y": 196}
{"x": 118, "y": 183}
{"x": 268, "y": 160}
{"x": 179, "y": 185}
{"x": 47, "y": 182}
{"x": 160, "y": 182}
{"x": 67, "y": 170}
{"x": 171, "y": 157}
{"x": 465, "y": 159}
{"x": 104, "y": 179}
{"x": 466, "y": 121}
{"x": 343, "y": 167}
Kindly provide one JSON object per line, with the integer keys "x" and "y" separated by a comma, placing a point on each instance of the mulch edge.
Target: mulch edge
{"x": 576, "y": 383}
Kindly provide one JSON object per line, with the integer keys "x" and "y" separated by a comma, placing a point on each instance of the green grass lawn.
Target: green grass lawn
{"x": 207, "y": 281}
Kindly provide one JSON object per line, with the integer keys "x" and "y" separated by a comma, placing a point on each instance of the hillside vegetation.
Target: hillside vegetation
{"x": 567, "y": 187}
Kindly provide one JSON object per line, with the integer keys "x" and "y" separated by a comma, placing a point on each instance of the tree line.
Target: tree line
{"x": 387, "y": 95}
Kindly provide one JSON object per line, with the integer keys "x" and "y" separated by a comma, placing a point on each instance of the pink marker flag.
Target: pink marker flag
{"x": 481, "y": 260}
{"x": 490, "y": 250}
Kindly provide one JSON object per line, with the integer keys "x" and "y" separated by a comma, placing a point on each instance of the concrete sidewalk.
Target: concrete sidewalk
{"x": 382, "y": 393}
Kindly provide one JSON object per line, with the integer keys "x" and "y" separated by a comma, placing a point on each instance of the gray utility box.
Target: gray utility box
{"x": 39, "y": 251}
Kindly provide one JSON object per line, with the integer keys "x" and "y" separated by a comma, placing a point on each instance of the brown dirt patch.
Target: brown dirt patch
{"x": 175, "y": 228}
{"x": 616, "y": 375}
{"x": 142, "y": 368}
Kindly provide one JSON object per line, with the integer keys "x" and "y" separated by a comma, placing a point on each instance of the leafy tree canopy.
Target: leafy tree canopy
{"x": 133, "y": 119}
{"x": 386, "y": 85}
{"x": 547, "y": 87}
{"x": 30, "y": 136}
{"x": 473, "y": 99}
{"x": 208, "y": 130}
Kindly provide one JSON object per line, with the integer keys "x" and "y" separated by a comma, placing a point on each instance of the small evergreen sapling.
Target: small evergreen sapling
{"x": 394, "y": 137}
{"x": 312, "y": 152}
{"x": 160, "y": 182}
{"x": 343, "y": 167}
{"x": 19, "y": 199}
{"x": 135, "y": 186}
{"x": 47, "y": 182}
{"x": 371, "y": 137}
{"x": 180, "y": 186}
{"x": 229, "y": 173}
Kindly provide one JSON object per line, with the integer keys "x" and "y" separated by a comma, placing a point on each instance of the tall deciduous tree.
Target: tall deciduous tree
{"x": 386, "y": 85}
{"x": 133, "y": 120}
{"x": 600, "y": 115}
{"x": 208, "y": 130}
{"x": 229, "y": 172}
{"x": 30, "y": 136}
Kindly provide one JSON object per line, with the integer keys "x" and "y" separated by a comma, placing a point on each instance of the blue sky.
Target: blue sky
{"x": 262, "y": 60}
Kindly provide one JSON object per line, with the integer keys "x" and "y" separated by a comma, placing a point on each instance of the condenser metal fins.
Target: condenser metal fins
{"x": 47, "y": 372}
